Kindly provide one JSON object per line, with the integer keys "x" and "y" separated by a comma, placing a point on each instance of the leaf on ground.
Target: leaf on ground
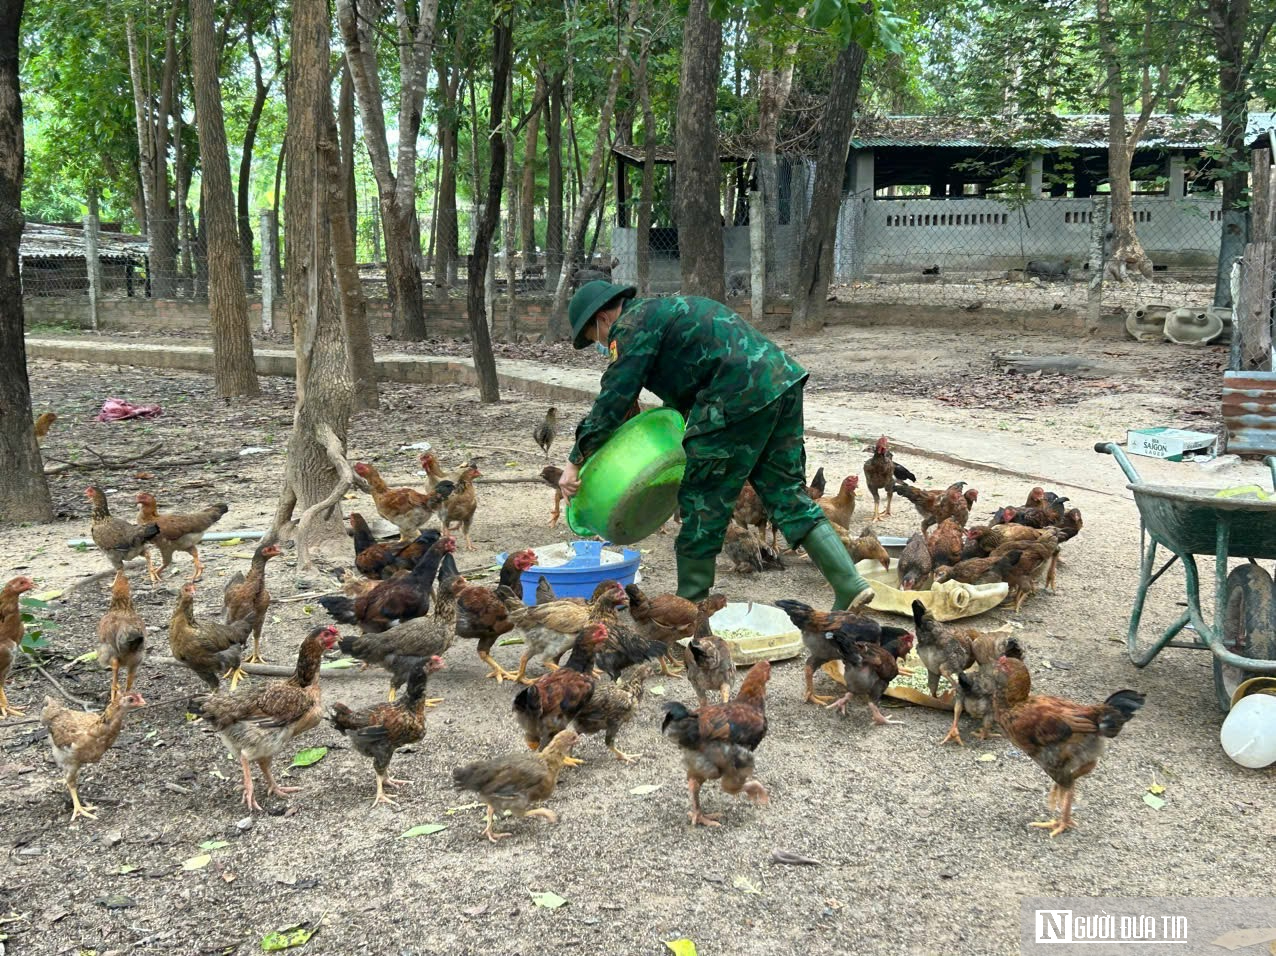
{"x": 423, "y": 829}
{"x": 213, "y": 844}
{"x": 659, "y": 691}
{"x": 461, "y": 809}
{"x": 550, "y": 901}
{"x": 232, "y": 542}
{"x": 681, "y": 947}
{"x": 1156, "y": 789}
{"x": 793, "y": 859}
{"x": 116, "y": 901}
{"x": 241, "y": 554}
{"x": 47, "y": 595}
{"x": 746, "y": 885}
{"x": 1239, "y": 938}
{"x": 197, "y": 862}
{"x": 127, "y": 868}
{"x": 1153, "y": 801}
{"x": 309, "y": 756}
{"x": 986, "y": 758}
{"x": 286, "y": 938}
{"x": 307, "y": 609}
{"x": 341, "y": 664}
{"x": 645, "y": 789}
{"x": 509, "y": 643}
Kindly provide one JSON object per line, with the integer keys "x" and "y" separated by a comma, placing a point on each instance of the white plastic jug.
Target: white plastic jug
{"x": 1249, "y": 731}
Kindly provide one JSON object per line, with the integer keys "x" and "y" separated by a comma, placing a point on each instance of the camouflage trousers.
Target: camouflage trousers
{"x": 767, "y": 449}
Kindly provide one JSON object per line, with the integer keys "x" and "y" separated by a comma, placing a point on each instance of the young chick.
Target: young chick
{"x": 869, "y": 547}
{"x": 122, "y": 636}
{"x": 946, "y": 651}
{"x": 78, "y": 738}
{"x": 515, "y": 781}
{"x": 11, "y": 630}
{"x": 612, "y": 705}
{"x": 544, "y": 432}
{"x": 116, "y": 538}
{"x": 377, "y": 732}
{"x": 707, "y": 656}
{"x": 975, "y": 687}
{"x": 915, "y": 564}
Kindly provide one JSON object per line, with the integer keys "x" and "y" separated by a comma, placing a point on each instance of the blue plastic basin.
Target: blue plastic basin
{"x": 579, "y": 576}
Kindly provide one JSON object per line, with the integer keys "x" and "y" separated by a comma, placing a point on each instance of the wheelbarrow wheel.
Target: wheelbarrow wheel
{"x": 1249, "y": 627}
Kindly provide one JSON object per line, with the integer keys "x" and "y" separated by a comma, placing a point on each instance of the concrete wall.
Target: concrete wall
{"x": 907, "y": 235}
{"x": 666, "y": 272}
{"x": 447, "y": 319}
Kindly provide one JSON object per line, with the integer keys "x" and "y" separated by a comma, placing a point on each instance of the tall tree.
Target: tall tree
{"x": 24, "y": 493}
{"x": 775, "y": 81}
{"x": 554, "y": 185}
{"x": 261, "y": 89}
{"x": 152, "y": 110}
{"x": 815, "y": 259}
{"x": 234, "y": 371}
{"x": 700, "y": 250}
{"x": 396, "y": 187}
{"x": 527, "y": 192}
{"x": 502, "y": 60}
{"x": 317, "y": 473}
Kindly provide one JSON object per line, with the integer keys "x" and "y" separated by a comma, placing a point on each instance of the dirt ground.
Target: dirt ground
{"x": 920, "y": 849}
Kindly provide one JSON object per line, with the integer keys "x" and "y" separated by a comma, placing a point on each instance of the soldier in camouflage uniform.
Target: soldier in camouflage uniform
{"x": 741, "y": 396}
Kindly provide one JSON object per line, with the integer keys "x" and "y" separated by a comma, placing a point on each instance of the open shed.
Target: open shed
{"x": 54, "y": 261}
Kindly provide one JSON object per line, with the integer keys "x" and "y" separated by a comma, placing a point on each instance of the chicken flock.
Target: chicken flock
{"x": 584, "y": 661}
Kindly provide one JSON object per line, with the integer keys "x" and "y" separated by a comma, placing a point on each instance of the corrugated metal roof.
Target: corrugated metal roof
{"x": 41, "y": 240}
{"x": 1249, "y": 411}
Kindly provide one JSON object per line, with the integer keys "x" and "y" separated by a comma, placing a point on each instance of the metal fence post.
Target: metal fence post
{"x": 757, "y": 254}
{"x": 1098, "y": 232}
{"x": 267, "y": 270}
{"x": 92, "y": 266}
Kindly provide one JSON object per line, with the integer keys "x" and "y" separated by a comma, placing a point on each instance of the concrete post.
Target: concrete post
{"x": 92, "y": 266}
{"x": 757, "y": 253}
{"x": 267, "y": 233}
{"x": 1098, "y": 230}
{"x": 1174, "y": 172}
{"x": 862, "y": 171}
{"x": 1033, "y": 175}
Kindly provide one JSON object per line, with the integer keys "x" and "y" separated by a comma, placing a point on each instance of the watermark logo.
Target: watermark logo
{"x": 1181, "y": 926}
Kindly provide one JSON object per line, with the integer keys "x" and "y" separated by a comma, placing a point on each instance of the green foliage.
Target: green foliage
{"x": 35, "y": 637}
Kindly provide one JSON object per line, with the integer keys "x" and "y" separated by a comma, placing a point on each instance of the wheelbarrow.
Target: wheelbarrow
{"x": 1188, "y": 521}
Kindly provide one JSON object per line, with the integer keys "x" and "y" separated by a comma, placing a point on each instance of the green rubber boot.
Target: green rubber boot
{"x": 829, "y": 555}
{"x": 695, "y": 577}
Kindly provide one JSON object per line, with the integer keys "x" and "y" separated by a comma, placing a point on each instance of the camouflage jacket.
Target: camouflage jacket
{"x": 698, "y": 356}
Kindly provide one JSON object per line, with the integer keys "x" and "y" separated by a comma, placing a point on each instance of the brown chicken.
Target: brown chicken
{"x": 975, "y": 687}
{"x": 552, "y": 701}
{"x": 43, "y": 424}
{"x": 178, "y": 532}
{"x": 815, "y": 626}
{"x": 549, "y": 629}
{"x": 718, "y": 742}
{"x": 405, "y": 508}
{"x": 1070, "y": 525}
{"x": 544, "y": 433}
{"x": 11, "y": 631}
{"x": 915, "y": 564}
{"x": 401, "y": 650}
{"x": 247, "y": 597}
{"x": 77, "y": 738}
{"x": 867, "y": 547}
{"x": 979, "y": 570}
{"x": 377, "y": 732}
{"x": 434, "y": 475}
{"x": 707, "y": 656}
{"x": 121, "y": 636}
{"x": 992, "y": 537}
{"x": 840, "y": 509}
{"x": 482, "y": 616}
{"x": 1033, "y": 556}
{"x": 394, "y": 601}
{"x": 748, "y": 512}
{"x": 515, "y": 781}
{"x": 748, "y": 551}
{"x": 816, "y": 488}
{"x": 881, "y": 474}
{"x": 945, "y": 542}
{"x": 551, "y": 475}
{"x": 1036, "y": 498}
{"x": 456, "y": 511}
{"x": 116, "y": 538}
{"x": 663, "y": 617}
{"x": 257, "y": 724}
{"x": 210, "y": 649}
{"x": 946, "y": 651}
{"x": 1064, "y": 738}
{"x": 385, "y": 559}
{"x": 611, "y": 706}
{"x": 936, "y": 506}
{"x": 868, "y": 669}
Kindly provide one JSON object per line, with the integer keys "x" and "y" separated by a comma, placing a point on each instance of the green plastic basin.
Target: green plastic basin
{"x": 629, "y": 487}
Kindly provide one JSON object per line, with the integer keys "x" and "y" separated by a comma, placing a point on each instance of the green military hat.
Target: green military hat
{"x": 588, "y": 300}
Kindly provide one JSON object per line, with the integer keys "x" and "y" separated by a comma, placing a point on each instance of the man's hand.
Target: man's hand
{"x": 569, "y": 483}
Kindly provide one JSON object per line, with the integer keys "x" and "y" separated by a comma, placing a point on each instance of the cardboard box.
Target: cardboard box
{"x": 1170, "y": 444}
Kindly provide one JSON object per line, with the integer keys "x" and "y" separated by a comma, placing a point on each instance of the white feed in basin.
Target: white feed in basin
{"x": 556, "y": 555}
{"x": 756, "y": 632}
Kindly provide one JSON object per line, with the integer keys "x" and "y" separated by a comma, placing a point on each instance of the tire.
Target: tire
{"x": 1249, "y": 627}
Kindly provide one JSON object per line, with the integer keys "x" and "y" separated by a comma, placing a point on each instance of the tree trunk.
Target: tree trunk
{"x": 646, "y": 193}
{"x": 446, "y": 246}
{"x": 24, "y": 493}
{"x": 511, "y": 219}
{"x": 185, "y": 232}
{"x": 260, "y": 90}
{"x": 345, "y": 129}
{"x": 396, "y": 188}
{"x": 324, "y": 391}
{"x": 276, "y": 257}
{"x": 699, "y": 216}
{"x": 1228, "y": 22}
{"x": 815, "y": 262}
{"x": 234, "y": 371}
{"x": 593, "y": 185}
{"x": 502, "y": 59}
{"x": 554, "y": 158}
{"x": 774, "y": 86}
{"x": 527, "y": 193}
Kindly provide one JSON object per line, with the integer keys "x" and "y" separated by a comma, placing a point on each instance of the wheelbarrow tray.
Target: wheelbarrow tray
{"x": 1185, "y": 520}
